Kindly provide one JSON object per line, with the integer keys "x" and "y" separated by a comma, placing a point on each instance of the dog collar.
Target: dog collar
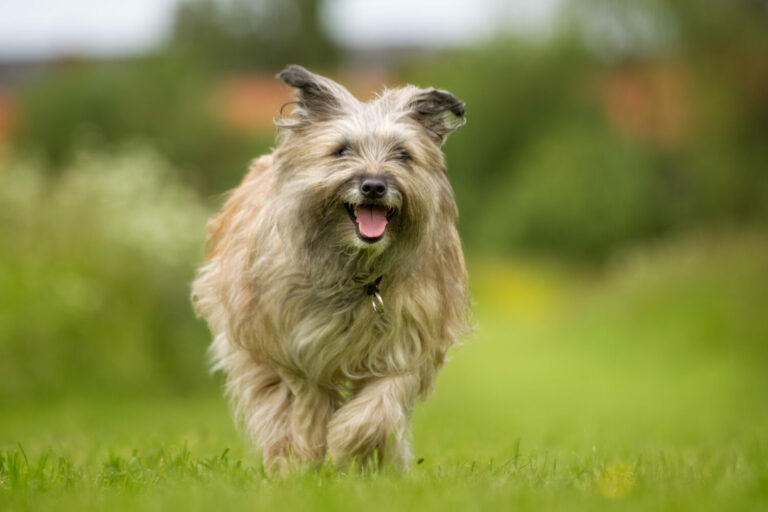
{"x": 373, "y": 292}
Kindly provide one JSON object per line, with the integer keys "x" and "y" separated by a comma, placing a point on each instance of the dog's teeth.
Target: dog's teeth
{"x": 355, "y": 210}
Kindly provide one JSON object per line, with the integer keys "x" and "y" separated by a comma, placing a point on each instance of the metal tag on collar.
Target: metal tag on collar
{"x": 376, "y": 301}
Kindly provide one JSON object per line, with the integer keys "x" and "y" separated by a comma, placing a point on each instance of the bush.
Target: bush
{"x": 95, "y": 278}
{"x": 541, "y": 165}
{"x": 577, "y": 191}
{"x": 161, "y": 101}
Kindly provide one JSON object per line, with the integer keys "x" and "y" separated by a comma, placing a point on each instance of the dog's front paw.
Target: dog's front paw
{"x": 370, "y": 429}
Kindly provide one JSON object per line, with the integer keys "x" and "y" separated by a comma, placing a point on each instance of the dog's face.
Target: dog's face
{"x": 365, "y": 177}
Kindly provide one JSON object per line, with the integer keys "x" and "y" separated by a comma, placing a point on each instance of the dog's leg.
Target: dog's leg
{"x": 287, "y": 417}
{"x": 265, "y": 401}
{"x": 311, "y": 412}
{"x": 375, "y": 421}
{"x": 260, "y": 397}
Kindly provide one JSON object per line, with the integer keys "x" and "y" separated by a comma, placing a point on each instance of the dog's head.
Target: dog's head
{"x": 365, "y": 177}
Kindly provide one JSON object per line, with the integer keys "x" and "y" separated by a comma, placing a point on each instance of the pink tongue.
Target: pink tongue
{"x": 372, "y": 220}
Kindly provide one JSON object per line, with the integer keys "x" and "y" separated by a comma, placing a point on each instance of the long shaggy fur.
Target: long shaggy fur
{"x": 312, "y": 370}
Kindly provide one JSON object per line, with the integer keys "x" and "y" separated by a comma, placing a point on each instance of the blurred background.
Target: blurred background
{"x": 612, "y": 180}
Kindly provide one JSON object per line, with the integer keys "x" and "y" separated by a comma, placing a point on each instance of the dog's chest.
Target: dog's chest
{"x": 328, "y": 344}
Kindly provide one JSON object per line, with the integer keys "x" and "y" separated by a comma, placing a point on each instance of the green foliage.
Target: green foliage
{"x": 94, "y": 277}
{"x": 578, "y": 192}
{"x": 238, "y": 35}
{"x": 542, "y": 165}
{"x": 161, "y": 101}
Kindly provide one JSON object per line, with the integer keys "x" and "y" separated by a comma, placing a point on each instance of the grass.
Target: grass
{"x": 642, "y": 386}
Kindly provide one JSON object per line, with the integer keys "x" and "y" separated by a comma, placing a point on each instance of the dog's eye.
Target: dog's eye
{"x": 341, "y": 151}
{"x": 402, "y": 154}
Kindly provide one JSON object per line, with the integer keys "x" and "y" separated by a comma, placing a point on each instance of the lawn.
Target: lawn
{"x": 641, "y": 385}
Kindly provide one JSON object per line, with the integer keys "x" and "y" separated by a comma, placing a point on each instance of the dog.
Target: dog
{"x": 334, "y": 281}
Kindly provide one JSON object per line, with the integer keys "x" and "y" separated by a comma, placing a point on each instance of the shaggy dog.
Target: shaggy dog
{"x": 335, "y": 282}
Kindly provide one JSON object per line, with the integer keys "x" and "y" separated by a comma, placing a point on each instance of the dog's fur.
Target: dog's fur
{"x": 312, "y": 369}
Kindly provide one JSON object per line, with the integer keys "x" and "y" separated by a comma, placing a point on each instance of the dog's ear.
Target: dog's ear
{"x": 318, "y": 97}
{"x": 440, "y": 112}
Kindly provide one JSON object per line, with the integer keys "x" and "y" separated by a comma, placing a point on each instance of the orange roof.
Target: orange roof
{"x": 650, "y": 103}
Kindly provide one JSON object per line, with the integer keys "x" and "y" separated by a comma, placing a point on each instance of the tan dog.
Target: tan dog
{"x": 335, "y": 281}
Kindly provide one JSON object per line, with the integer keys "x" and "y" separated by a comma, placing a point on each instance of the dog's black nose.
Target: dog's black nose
{"x": 373, "y": 188}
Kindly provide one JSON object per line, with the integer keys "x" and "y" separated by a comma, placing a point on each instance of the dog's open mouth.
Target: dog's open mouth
{"x": 370, "y": 220}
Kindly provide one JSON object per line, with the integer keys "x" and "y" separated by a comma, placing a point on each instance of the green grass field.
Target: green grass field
{"x": 640, "y": 386}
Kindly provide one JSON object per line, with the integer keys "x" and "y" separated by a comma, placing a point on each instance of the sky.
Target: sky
{"x": 45, "y": 28}
{"x": 371, "y": 23}
{"x": 39, "y": 29}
